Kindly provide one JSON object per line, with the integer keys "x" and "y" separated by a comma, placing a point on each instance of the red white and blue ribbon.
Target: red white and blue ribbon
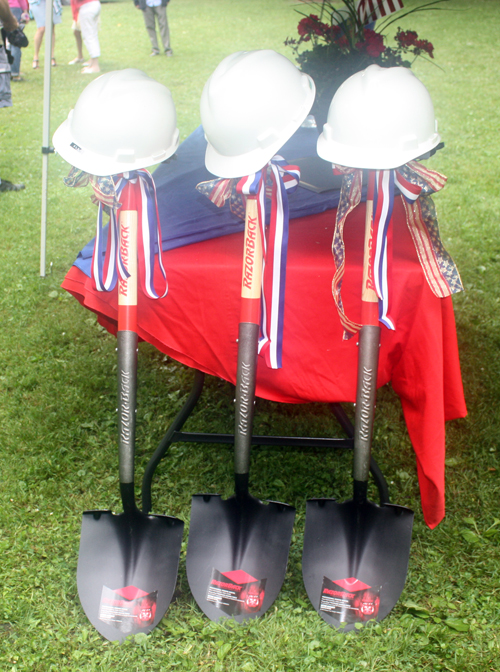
{"x": 107, "y": 263}
{"x": 275, "y": 180}
{"x": 383, "y": 204}
{"x": 416, "y": 183}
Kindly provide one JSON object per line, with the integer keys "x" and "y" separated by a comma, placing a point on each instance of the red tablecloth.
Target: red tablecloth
{"x": 197, "y": 324}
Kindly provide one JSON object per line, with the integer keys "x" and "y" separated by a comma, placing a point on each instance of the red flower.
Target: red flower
{"x": 311, "y": 25}
{"x": 343, "y": 42}
{"x": 408, "y": 39}
{"x": 373, "y": 43}
{"x": 304, "y": 30}
{"x": 425, "y": 45}
{"x": 331, "y": 41}
{"x": 333, "y": 33}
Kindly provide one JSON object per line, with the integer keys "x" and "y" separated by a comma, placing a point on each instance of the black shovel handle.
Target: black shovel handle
{"x": 127, "y": 347}
{"x": 248, "y": 335}
{"x": 368, "y": 353}
{"x": 127, "y": 394}
{"x": 366, "y": 391}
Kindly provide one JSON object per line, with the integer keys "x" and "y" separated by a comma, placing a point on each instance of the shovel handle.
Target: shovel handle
{"x": 127, "y": 346}
{"x": 369, "y": 298}
{"x": 248, "y": 336}
{"x": 251, "y": 275}
{"x": 369, "y": 341}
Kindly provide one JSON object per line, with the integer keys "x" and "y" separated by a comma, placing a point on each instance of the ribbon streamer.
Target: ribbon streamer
{"x": 274, "y": 181}
{"x": 383, "y": 203}
{"x": 107, "y": 263}
{"x": 416, "y": 183}
{"x": 284, "y": 179}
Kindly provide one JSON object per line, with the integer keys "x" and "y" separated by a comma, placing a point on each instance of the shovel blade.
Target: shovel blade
{"x": 355, "y": 559}
{"x": 237, "y": 554}
{"x": 127, "y": 570}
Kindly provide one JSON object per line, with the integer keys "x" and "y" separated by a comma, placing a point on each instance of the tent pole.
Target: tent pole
{"x": 46, "y": 149}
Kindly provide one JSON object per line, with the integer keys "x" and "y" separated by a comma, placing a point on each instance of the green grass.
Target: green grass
{"x": 57, "y": 389}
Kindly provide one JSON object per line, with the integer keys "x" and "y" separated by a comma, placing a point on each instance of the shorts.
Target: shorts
{"x": 38, "y": 12}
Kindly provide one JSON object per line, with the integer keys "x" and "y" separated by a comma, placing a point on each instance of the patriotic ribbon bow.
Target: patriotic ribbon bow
{"x": 107, "y": 262}
{"x": 221, "y": 190}
{"x": 416, "y": 183}
{"x": 274, "y": 181}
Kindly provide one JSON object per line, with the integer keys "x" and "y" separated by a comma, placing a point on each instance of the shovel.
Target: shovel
{"x": 355, "y": 556}
{"x": 127, "y": 565}
{"x": 238, "y": 548}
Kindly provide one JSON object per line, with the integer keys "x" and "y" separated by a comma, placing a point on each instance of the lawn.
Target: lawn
{"x": 58, "y": 390}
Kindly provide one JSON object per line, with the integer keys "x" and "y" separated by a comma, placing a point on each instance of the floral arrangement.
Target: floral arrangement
{"x": 341, "y": 43}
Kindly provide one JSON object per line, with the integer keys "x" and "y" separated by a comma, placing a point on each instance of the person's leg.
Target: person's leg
{"x": 89, "y": 23}
{"x": 149, "y": 22}
{"x": 79, "y": 44}
{"x": 15, "y": 68}
{"x": 79, "y": 47}
{"x": 6, "y": 101}
{"x": 77, "y": 32}
{"x": 38, "y": 12}
{"x": 56, "y": 20}
{"x": 161, "y": 15}
{"x": 53, "y": 45}
{"x": 39, "y": 33}
{"x": 5, "y": 92}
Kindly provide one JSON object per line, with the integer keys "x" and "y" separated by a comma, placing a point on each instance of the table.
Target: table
{"x": 197, "y": 324}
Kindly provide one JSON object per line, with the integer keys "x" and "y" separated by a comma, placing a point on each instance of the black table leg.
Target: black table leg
{"x": 175, "y": 434}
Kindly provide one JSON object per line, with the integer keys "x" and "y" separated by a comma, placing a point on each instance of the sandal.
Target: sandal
{"x": 76, "y": 60}
{"x": 53, "y": 62}
{"x": 35, "y": 63}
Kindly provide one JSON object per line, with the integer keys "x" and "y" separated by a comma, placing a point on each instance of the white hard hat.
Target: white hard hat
{"x": 122, "y": 121}
{"x": 253, "y": 102}
{"x": 379, "y": 119}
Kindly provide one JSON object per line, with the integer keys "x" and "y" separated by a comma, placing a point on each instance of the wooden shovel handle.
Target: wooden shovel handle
{"x": 127, "y": 289}
{"x": 251, "y": 277}
{"x": 369, "y": 298}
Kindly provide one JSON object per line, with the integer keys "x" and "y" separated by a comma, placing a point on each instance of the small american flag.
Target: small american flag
{"x": 371, "y": 10}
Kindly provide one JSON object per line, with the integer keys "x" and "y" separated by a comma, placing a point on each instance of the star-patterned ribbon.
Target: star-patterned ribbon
{"x": 416, "y": 183}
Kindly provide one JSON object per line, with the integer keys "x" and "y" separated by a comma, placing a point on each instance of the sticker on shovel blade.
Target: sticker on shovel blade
{"x": 350, "y": 600}
{"x": 236, "y": 592}
{"x": 127, "y": 609}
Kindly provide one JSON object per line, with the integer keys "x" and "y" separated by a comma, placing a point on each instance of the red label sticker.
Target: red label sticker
{"x": 350, "y": 600}
{"x": 128, "y": 609}
{"x": 236, "y": 593}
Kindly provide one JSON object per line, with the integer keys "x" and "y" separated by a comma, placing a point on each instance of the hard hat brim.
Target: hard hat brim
{"x": 96, "y": 164}
{"x": 239, "y": 166}
{"x": 368, "y": 158}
